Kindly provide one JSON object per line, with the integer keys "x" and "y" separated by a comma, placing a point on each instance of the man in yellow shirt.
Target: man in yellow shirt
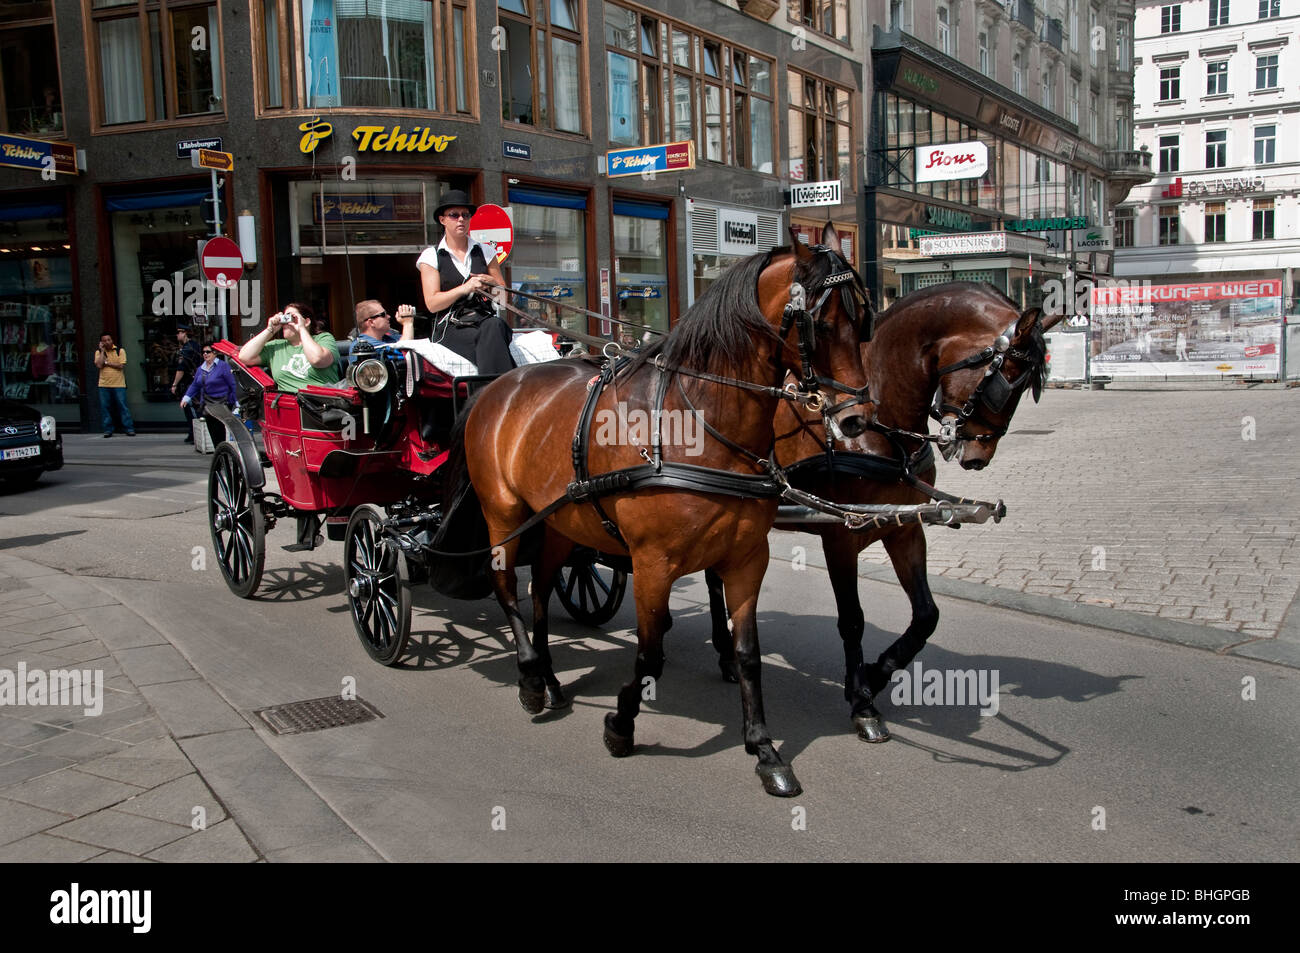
{"x": 111, "y": 362}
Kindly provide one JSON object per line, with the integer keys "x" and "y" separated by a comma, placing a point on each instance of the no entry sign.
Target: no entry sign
{"x": 222, "y": 263}
{"x": 491, "y": 226}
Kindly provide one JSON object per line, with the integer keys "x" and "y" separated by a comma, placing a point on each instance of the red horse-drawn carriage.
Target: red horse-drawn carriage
{"x": 362, "y": 461}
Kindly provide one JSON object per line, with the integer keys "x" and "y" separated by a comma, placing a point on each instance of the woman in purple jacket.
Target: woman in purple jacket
{"x": 213, "y": 382}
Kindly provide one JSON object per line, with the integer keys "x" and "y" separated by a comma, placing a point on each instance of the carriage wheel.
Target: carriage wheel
{"x": 379, "y": 590}
{"x": 236, "y": 521}
{"x": 590, "y": 593}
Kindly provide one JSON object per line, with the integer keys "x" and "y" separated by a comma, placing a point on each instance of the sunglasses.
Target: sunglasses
{"x": 379, "y": 314}
{"x": 455, "y": 214}
{"x": 208, "y": 350}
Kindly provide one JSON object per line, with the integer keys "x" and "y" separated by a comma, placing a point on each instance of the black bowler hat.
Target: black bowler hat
{"x": 183, "y": 327}
{"x": 454, "y": 199}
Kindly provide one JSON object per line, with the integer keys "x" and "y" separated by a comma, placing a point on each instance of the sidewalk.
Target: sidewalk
{"x": 166, "y": 771}
{"x": 165, "y": 451}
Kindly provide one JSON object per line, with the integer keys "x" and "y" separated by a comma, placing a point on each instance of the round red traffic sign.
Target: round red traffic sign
{"x": 222, "y": 262}
{"x": 491, "y": 226}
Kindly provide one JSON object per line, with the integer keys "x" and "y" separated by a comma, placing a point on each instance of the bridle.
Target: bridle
{"x": 994, "y": 390}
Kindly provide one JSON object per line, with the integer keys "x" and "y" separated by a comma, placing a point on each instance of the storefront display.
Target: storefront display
{"x": 549, "y": 258}
{"x": 641, "y": 265}
{"x": 39, "y": 360}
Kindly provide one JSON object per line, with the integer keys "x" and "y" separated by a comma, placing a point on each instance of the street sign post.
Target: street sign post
{"x": 222, "y": 264}
{"x": 492, "y": 226}
{"x": 216, "y": 161}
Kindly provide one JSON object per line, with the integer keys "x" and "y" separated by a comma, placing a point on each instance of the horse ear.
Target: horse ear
{"x": 1027, "y": 321}
{"x": 1047, "y": 322}
{"x": 829, "y": 236}
{"x": 801, "y": 250}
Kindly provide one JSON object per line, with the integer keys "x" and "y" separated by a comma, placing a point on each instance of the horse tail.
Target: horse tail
{"x": 463, "y": 527}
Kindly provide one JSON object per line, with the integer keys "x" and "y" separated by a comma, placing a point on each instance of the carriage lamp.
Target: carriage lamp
{"x": 370, "y": 376}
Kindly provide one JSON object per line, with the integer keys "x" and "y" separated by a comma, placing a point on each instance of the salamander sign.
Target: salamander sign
{"x": 954, "y": 160}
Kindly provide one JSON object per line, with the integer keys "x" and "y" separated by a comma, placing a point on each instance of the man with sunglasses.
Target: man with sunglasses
{"x": 459, "y": 278}
{"x": 375, "y": 324}
{"x": 213, "y": 382}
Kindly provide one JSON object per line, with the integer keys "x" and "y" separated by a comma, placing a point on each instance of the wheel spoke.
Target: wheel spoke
{"x": 570, "y": 583}
{"x": 597, "y": 580}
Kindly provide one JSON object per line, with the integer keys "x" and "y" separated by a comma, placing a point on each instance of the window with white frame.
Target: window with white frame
{"x": 1074, "y": 101}
{"x": 984, "y": 54}
{"x": 1216, "y": 149}
{"x": 1168, "y": 154}
{"x": 1123, "y": 126}
{"x": 1018, "y": 72}
{"x": 1167, "y": 228}
{"x": 1074, "y": 26}
{"x": 1170, "y": 83}
{"x": 1262, "y": 220}
{"x": 944, "y": 27}
{"x": 1092, "y": 31}
{"x": 1265, "y": 144}
{"x": 1266, "y": 71}
{"x": 1092, "y": 117}
{"x": 896, "y": 16}
{"x": 1216, "y": 78}
{"x": 1049, "y": 88}
{"x": 1218, "y": 12}
{"x": 1124, "y": 227}
{"x": 1123, "y": 46}
{"x": 1216, "y": 222}
{"x": 1171, "y": 18}
{"x": 1269, "y": 9}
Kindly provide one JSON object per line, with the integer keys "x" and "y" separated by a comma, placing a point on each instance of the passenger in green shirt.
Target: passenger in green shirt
{"x": 298, "y": 351}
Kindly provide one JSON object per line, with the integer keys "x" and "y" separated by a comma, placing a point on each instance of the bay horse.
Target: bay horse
{"x": 527, "y": 450}
{"x": 962, "y": 353}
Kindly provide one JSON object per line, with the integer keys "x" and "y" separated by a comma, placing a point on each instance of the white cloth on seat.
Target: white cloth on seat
{"x": 443, "y": 358}
{"x": 532, "y": 347}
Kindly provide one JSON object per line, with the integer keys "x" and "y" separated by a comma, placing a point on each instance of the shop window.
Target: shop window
{"x": 1168, "y": 225}
{"x": 156, "y": 60}
{"x": 30, "y": 101}
{"x": 408, "y": 55}
{"x": 829, "y": 17}
{"x": 39, "y": 360}
{"x": 549, "y": 258}
{"x": 1216, "y": 221}
{"x": 1262, "y": 220}
{"x": 640, "y": 267}
{"x": 541, "y": 63}
{"x": 820, "y": 130}
{"x": 332, "y": 217}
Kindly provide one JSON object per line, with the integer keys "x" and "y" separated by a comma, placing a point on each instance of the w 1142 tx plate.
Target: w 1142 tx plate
{"x": 317, "y": 714}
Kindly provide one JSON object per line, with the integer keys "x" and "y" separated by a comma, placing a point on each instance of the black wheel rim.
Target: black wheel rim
{"x": 589, "y": 596}
{"x": 375, "y": 587}
{"x": 233, "y": 529}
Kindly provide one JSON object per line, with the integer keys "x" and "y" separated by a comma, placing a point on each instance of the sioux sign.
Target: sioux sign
{"x": 955, "y": 160}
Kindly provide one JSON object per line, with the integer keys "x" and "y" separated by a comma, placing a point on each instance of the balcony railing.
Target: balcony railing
{"x": 1135, "y": 161}
{"x": 1022, "y": 13}
{"x": 1053, "y": 33}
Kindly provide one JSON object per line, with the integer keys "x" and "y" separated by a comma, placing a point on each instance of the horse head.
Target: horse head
{"x": 979, "y": 388}
{"x": 823, "y": 312}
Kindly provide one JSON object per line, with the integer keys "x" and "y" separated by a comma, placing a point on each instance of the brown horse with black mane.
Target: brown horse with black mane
{"x": 961, "y": 353}
{"x": 529, "y": 450}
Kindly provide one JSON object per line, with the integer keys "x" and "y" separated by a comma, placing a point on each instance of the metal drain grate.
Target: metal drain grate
{"x": 317, "y": 714}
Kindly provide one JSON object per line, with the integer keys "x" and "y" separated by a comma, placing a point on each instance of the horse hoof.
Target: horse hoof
{"x": 871, "y": 729}
{"x": 555, "y": 697}
{"x": 778, "y": 780}
{"x": 531, "y": 699}
{"x": 730, "y": 671}
{"x": 620, "y": 746}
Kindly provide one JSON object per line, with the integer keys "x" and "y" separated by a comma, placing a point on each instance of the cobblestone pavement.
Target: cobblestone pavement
{"x": 1176, "y": 504}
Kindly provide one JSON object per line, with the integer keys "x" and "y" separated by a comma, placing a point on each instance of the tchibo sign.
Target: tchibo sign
{"x": 954, "y": 160}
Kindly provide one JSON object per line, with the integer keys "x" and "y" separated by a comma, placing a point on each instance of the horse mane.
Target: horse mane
{"x": 963, "y": 287}
{"x": 718, "y": 332}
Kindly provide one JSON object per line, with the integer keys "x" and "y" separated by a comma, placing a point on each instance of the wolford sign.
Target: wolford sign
{"x": 955, "y": 160}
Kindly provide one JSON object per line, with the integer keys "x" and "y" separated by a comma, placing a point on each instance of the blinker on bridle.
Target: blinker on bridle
{"x": 994, "y": 390}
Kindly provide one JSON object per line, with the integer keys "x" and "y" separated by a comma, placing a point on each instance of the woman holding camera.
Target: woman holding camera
{"x": 296, "y": 348}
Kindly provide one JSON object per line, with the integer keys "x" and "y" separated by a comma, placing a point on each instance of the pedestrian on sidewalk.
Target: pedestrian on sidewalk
{"x": 188, "y": 357}
{"x": 111, "y": 361}
{"x": 213, "y": 383}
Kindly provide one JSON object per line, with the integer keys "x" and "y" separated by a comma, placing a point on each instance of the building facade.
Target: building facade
{"x": 1046, "y": 91}
{"x": 347, "y": 119}
{"x": 1215, "y": 235}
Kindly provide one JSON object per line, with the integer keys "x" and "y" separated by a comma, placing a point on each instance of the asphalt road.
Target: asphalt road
{"x": 1154, "y": 739}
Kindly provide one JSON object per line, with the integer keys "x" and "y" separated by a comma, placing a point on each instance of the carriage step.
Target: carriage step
{"x": 319, "y": 540}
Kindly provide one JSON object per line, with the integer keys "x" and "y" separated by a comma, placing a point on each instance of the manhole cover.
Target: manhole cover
{"x": 317, "y": 714}
{"x": 1032, "y": 433}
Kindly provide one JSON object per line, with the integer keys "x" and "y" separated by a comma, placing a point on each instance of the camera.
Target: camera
{"x": 284, "y": 319}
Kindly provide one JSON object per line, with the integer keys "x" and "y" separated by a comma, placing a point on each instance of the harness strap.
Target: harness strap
{"x": 581, "y": 441}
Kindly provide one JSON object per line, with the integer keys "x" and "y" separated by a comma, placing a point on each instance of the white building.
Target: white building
{"x": 1217, "y": 104}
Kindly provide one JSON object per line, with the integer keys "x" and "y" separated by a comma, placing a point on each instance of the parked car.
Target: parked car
{"x": 30, "y": 444}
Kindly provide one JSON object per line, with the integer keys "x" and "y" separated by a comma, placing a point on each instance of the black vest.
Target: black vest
{"x": 449, "y": 275}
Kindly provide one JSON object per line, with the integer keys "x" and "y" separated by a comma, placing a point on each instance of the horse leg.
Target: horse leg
{"x": 742, "y": 580}
{"x": 721, "y": 631}
{"x": 506, "y": 582}
{"x": 554, "y": 551}
{"x": 651, "y": 592}
{"x": 906, "y": 549}
{"x": 841, "y": 548}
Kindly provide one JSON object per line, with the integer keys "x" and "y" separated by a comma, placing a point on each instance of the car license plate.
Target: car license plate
{"x": 19, "y": 452}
